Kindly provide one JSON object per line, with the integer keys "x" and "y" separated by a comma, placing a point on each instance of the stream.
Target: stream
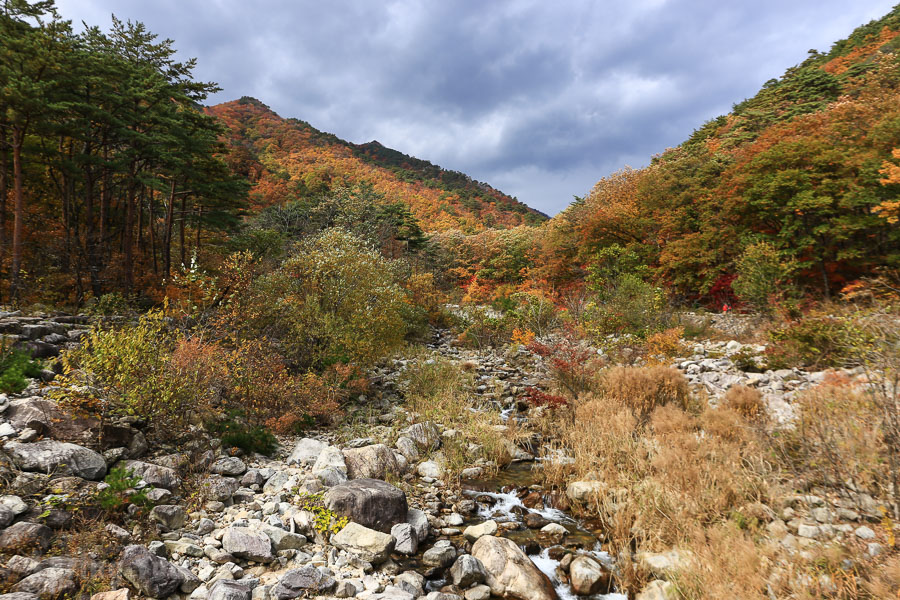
{"x": 501, "y": 499}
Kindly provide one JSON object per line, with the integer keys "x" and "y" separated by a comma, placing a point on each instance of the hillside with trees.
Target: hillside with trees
{"x": 287, "y": 160}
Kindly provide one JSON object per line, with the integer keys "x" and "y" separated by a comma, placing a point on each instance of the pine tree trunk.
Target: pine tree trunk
{"x": 167, "y": 238}
{"x": 19, "y": 215}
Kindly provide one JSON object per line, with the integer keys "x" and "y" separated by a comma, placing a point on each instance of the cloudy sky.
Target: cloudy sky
{"x": 540, "y": 99}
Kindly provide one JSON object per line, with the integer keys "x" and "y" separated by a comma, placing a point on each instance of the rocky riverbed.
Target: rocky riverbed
{"x": 228, "y": 527}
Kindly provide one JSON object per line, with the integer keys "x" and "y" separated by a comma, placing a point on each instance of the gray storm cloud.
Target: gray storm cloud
{"x": 540, "y": 99}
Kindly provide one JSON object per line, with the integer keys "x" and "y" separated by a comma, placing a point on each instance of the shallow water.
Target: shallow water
{"x": 507, "y": 507}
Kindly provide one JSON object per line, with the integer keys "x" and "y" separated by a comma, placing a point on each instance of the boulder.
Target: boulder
{"x": 48, "y": 584}
{"x": 306, "y": 580}
{"x": 370, "y": 502}
{"x": 419, "y": 521}
{"x": 15, "y": 504}
{"x": 19, "y": 596}
{"x": 306, "y": 452}
{"x": 376, "y": 462}
{"x": 440, "y": 555}
{"x": 220, "y": 488}
{"x": 467, "y": 571}
{"x": 155, "y": 475}
{"x": 426, "y": 436}
{"x": 283, "y": 539}
{"x": 119, "y": 594}
{"x": 430, "y": 468}
{"x": 582, "y": 491}
{"x": 588, "y": 577}
{"x": 511, "y": 574}
{"x": 406, "y": 540}
{"x": 408, "y": 449}
{"x": 226, "y": 589}
{"x": 25, "y": 538}
{"x": 58, "y": 458}
{"x": 169, "y": 516}
{"x": 151, "y": 575}
{"x": 230, "y": 466}
{"x": 663, "y": 564}
{"x": 6, "y": 516}
{"x": 330, "y": 467}
{"x": 247, "y": 543}
{"x": 474, "y": 532}
{"x": 370, "y": 545}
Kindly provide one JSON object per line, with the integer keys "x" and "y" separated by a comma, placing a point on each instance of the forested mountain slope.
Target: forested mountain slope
{"x": 288, "y": 159}
{"x": 801, "y": 171}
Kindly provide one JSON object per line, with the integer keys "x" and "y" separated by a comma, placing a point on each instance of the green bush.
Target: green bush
{"x": 15, "y": 366}
{"x": 760, "y": 273}
{"x": 334, "y": 300}
{"x": 235, "y": 432}
{"x": 130, "y": 371}
{"x": 815, "y": 341}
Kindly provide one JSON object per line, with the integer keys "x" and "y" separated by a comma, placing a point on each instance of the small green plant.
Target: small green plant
{"x": 235, "y": 432}
{"x": 113, "y": 303}
{"x": 15, "y": 366}
{"x": 748, "y": 361}
{"x": 121, "y": 491}
{"x": 326, "y": 522}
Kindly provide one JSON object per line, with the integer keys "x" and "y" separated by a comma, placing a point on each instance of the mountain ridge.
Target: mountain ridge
{"x": 287, "y": 159}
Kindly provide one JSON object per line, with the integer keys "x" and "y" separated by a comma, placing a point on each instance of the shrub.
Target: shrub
{"x": 129, "y": 371}
{"x": 817, "y": 341}
{"x": 745, "y": 401}
{"x": 333, "y": 300}
{"x": 484, "y": 328}
{"x": 571, "y": 362}
{"x": 15, "y": 366}
{"x": 643, "y": 389}
{"x": 666, "y": 343}
{"x": 760, "y": 272}
{"x": 236, "y": 432}
{"x": 535, "y": 312}
{"x": 120, "y": 491}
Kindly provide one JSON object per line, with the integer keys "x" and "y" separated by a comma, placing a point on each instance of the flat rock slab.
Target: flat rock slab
{"x": 57, "y": 458}
{"x": 370, "y": 502}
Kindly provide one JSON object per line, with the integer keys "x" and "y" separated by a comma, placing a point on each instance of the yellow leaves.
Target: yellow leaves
{"x": 522, "y": 337}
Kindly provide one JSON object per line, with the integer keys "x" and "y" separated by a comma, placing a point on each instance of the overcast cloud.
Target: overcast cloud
{"x": 540, "y": 99}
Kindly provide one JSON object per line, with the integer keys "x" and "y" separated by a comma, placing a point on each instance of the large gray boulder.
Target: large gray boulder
{"x": 330, "y": 467}
{"x": 306, "y": 452}
{"x": 511, "y": 574}
{"x": 58, "y": 458}
{"x": 152, "y": 575}
{"x": 155, "y": 475}
{"x": 467, "y": 570}
{"x": 48, "y": 584}
{"x": 406, "y": 540}
{"x": 26, "y": 538}
{"x": 419, "y": 521}
{"x": 302, "y": 582}
{"x": 225, "y": 589}
{"x": 247, "y": 543}
{"x": 370, "y": 502}
{"x": 230, "y": 466}
{"x": 370, "y": 545}
{"x": 426, "y": 436}
{"x": 588, "y": 577}
{"x": 220, "y": 488}
{"x": 371, "y": 462}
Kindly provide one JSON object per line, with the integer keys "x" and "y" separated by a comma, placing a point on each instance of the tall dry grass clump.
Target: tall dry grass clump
{"x": 674, "y": 473}
{"x": 643, "y": 389}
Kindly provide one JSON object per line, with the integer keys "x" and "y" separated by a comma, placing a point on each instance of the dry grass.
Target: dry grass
{"x": 644, "y": 389}
{"x": 441, "y": 390}
{"x": 745, "y": 401}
